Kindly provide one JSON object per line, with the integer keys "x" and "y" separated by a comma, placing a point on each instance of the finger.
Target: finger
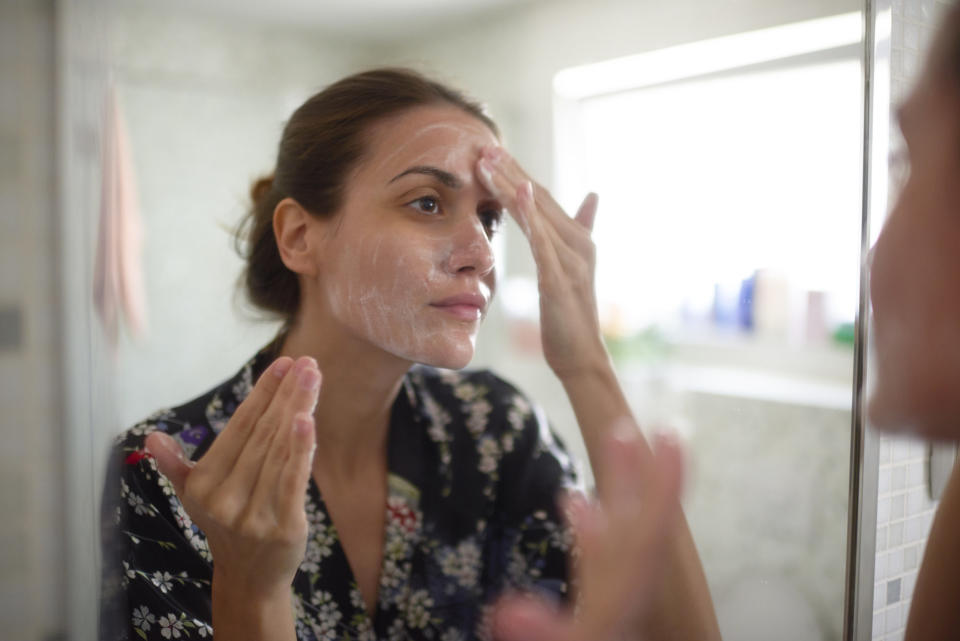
{"x": 582, "y": 518}
{"x": 568, "y": 238}
{"x": 572, "y": 504}
{"x": 644, "y": 525}
{"x": 624, "y": 544}
{"x": 607, "y": 574}
{"x": 297, "y": 393}
{"x": 170, "y": 459}
{"x": 563, "y": 274}
{"x": 588, "y": 211}
{"x": 625, "y": 459}
{"x": 666, "y": 484}
{"x": 570, "y": 230}
{"x": 620, "y": 523}
{"x": 277, "y": 458}
{"x": 542, "y": 243}
{"x": 560, "y": 262}
{"x": 502, "y": 188}
{"x": 226, "y": 448}
{"x": 504, "y": 181}
{"x": 292, "y": 486}
{"x": 547, "y": 207}
{"x": 528, "y": 618}
{"x": 584, "y": 522}
{"x": 652, "y": 527}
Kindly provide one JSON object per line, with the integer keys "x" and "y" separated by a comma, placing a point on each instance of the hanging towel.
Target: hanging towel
{"x": 118, "y": 291}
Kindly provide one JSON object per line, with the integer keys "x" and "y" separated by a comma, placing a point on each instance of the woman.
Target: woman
{"x": 914, "y": 280}
{"x": 398, "y": 502}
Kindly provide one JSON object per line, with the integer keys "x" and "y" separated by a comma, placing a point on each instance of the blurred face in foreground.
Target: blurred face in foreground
{"x": 915, "y": 272}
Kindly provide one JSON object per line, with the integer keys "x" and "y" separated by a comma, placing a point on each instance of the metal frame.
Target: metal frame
{"x": 865, "y": 442}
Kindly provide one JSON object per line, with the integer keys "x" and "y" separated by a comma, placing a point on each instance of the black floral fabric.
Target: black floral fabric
{"x": 474, "y": 473}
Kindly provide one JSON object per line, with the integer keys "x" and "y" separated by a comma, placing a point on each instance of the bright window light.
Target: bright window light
{"x": 709, "y": 178}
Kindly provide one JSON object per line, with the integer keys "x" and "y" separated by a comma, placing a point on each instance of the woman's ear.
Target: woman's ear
{"x": 293, "y": 227}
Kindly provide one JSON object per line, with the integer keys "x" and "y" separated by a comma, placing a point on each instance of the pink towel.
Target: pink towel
{"x": 118, "y": 291}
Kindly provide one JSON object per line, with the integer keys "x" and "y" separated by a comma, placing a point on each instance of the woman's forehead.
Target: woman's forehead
{"x": 445, "y": 135}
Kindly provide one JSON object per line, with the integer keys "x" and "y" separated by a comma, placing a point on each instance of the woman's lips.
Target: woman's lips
{"x": 468, "y": 307}
{"x": 463, "y": 312}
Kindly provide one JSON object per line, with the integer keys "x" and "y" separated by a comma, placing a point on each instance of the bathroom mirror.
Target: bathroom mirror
{"x": 725, "y": 141}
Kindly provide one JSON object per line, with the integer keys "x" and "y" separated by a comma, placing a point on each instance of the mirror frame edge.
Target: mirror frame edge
{"x": 864, "y": 441}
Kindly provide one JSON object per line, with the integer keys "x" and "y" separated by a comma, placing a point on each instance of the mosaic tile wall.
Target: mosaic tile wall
{"x": 904, "y": 514}
{"x": 904, "y": 507}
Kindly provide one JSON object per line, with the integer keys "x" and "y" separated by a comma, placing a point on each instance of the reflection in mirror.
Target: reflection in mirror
{"x": 727, "y": 236}
{"x": 728, "y": 284}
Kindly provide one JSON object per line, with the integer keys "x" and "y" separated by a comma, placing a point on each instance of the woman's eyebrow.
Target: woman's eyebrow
{"x": 444, "y": 177}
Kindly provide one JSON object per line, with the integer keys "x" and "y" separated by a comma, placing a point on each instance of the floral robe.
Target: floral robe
{"x": 474, "y": 473}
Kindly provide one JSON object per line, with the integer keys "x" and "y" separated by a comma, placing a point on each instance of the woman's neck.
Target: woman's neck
{"x": 359, "y": 385}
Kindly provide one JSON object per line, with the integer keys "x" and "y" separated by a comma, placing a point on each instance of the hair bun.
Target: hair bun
{"x": 260, "y": 188}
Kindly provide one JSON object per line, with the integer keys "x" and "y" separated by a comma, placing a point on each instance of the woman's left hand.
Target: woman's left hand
{"x": 566, "y": 260}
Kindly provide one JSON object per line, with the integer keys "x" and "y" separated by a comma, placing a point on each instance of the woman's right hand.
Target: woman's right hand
{"x": 623, "y": 541}
{"x": 247, "y": 492}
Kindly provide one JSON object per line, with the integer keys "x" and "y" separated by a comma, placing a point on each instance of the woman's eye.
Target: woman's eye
{"x": 491, "y": 219}
{"x": 427, "y": 204}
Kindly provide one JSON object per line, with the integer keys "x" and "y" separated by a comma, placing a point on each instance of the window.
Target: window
{"x": 729, "y": 174}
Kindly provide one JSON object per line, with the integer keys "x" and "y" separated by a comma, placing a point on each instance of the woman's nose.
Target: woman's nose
{"x": 471, "y": 251}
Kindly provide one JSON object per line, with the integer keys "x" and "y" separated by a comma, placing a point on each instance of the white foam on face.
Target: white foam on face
{"x": 384, "y": 294}
{"x": 457, "y": 156}
{"x": 382, "y": 285}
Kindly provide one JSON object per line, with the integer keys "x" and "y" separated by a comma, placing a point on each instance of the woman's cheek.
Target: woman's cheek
{"x": 387, "y": 302}
{"x": 886, "y": 395}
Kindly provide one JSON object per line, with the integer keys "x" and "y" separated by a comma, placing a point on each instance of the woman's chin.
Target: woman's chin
{"x": 450, "y": 356}
{"x": 924, "y": 415}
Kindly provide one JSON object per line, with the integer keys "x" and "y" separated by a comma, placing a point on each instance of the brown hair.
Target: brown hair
{"x": 943, "y": 58}
{"x": 321, "y": 143}
{"x": 953, "y": 40}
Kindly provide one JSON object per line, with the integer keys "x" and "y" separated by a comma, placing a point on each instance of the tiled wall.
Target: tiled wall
{"x": 904, "y": 514}
{"x": 904, "y": 507}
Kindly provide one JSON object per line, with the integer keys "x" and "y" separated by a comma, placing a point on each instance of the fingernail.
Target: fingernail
{"x": 526, "y": 190}
{"x": 303, "y": 423}
{"x": 522, "y": 221}
{"x": 484, "y": 168}
{"x": 666, "y": 438}
{"x": 576, "y": 506}
{"x": 281, "y": 366}
{"x": 308, "y": 378}
{"x": 166, "y": 442}
{"x": 625, "y": 430}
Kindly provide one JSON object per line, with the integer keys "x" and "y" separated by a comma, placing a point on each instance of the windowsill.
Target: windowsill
{"x": 748, "y": 367}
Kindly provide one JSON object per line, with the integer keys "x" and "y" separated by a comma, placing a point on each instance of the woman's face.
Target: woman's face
{"x": 406, "y": 264}
{"x": 915, "y": 274}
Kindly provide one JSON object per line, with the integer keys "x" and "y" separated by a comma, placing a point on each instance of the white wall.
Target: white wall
{"x": 31, "y": 428}
{"x": 205, "y": 102}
